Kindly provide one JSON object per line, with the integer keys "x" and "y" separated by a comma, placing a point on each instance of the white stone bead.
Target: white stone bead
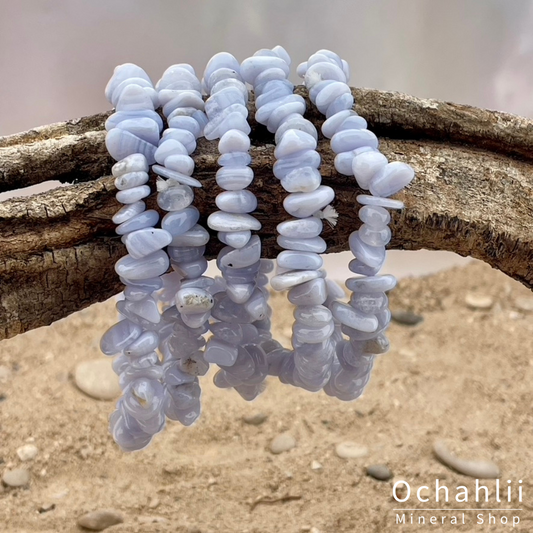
{"x": 234, "y": 141}
{"x": 236, "y": 201}
{"x": 303, "y": 228}
{"x": 343, "y": 162}
{"x": 366, "y": 165}
{"x": 280, "y": 114}
{"x": 305, "y": 204}
{"x": 236, "y": 239}
{"x": 130, "y": 180}
{"x": 376, "y": 217}
{"x": 178, "y": 176}
{"x": 196, "y": 236}
{"x": 306, "y": 158}
{"x": 314, "y": 244}
{"x": 341, "y": 103}
{"x": 194, "y": 300}
{"x": 295, "y": 122}
{"x": 121, "y": 144}
{"x": 373, "y": 256}
{"x": 352, "y": 318}
{"x": 355, "y": 122}
{"x": 234, "y": 178}
{"x": 121, "y": 73}
{"x": 323, "y": 71}
{"x": 168, "y": 147}
{"x": 347, "y": 140}
{"x": 294, "y": 141}
{"x": 374, "y": 236}
{"x": 240, "y": 257}
{"x": 183, "y": 164}
{"x": 330, "y": 126}
{"x": 221, "y": 60}
{"x": 131, "y": 163}
{"x": 388, "y": 203}
{"x": 293, "y": 260}
{"x": 148, "y": 267}
{"x": 391, "y": 179}
{"x": 303, "y": 179}
{"x": 128, "y": 211}
{"x": 130, "y": 196}
{"x": 186, "y": 138}
{"x": 329, "y": 94}
{"x": 293, "y": 278}
{"x": 220, "y": 221}
{"x": 253, "y": 66}
{"x": 185, "y": 123}
{"x": 176, "y": 197}
{"x": 144, "y": 128}
{"x": 134, "y": 98}
{"x": 144, "y": 242}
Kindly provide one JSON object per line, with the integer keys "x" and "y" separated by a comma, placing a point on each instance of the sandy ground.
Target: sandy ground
{"x": 462, "y": 375}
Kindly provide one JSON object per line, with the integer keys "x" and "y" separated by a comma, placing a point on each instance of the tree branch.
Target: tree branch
{"x": 473, "y": 194}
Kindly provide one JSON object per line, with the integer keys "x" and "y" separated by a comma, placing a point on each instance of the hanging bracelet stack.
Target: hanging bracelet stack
{"x": 165, "y": 316}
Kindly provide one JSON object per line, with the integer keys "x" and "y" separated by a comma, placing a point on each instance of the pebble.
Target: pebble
{"x": 478, "y": 301}
{"x": 475, "y": 469}
{"x": 380, "y": 472}
{"x": 407, "y": 318}
{"x": 350, "y": 450}
{"x": 97, "y": 379}
{"x": 27, "y": 452}
{"x": 524, "y": 303}
{"x": 100, "y": 520}
{"x": 46, "y": 507}
{"x": 282, "y": 443}
{"x": 255, "y": 419}
{"x": 315, "y": 465}
{"x": 19, "y": 477}
{"x": 5, "y": 374}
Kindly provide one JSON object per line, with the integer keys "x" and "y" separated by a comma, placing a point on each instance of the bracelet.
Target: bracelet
{"x": 367, "y": 316}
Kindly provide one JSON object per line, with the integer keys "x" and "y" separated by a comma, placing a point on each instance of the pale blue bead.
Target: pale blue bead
{"x": 145, "y": 313}
{"x": 236, "y": 239}
{"x": 191, "y": 270}
{"x": 240, "y": 257}
{"x": 369, "y": 302}
{"x": 236, "y": 201}
{"x": 145, "y": 128}
{"x": 358, "y": 267}
{"x": 305, "y": 204}
{"x": 323, "y": 71}
{"x": 216, "y": 119}
{"x": 253, "y": 66}
{"x": 312, "y": 315}
{"x": 220, "y": 352}
{"x": 143, "y": 242}
{"x": 232, "y": 121}
{"x": 374, "y": 236}
{"x": 186, "y": 138}
{"x": 371, "y": 284}
{"x": 118, "y": 336}
{"x": 353, "y": 122}
{"x": 295, "y": 122}
{"x": 128, "y": 211}
{"x": 373, "y": 256}
{"x": 231, "y": 333}
{"x": 193, "y": 300}
{"x": 332, "y": 56}
{"x": 315, "y": 244}
{"x": 341, "y": 103}
{"x": 234, "y": 141}
{"x": 130, "y": 180}
{"x": 148, "y": 284}
{"x": 292, "y": 142}
{"x": 116, "y": 118}
{"x": 303, "y": 179}
{"x": 178, "y": 176}
{"x": 312, "y": 334}
{"x": 265, "y": 79}
{"x": 168, "y": 147}
{"x": 196, "y": 236}
{"x": 353, "y": 318}
{"x": 347, "y": 140}
{"x": 366, "y": 165}
{"x": 344, "y": 161}
{"x": 329, "y": 94}
{"x": 273, "y": 90}
{"x": 391, "y": 179}
{"x": 240, "y": 292}
{"x": 183, "y": 416}
{"x": 120, "y": 144}
{"x": 283, "y": 112}
{"x": 220, "y": 75}
{"x": 137, "y": 269}
{"x": 132, "y": 163}
{"x": 242, "y": 275}
{"x": 185, "y": 254}
{"x": 180, "y": 163}
{"x": 306, "y": 158}
{"x": 365, "y": 199}
{"x": 281, "y": 52}
{"x": 178, "y": 222}
{"x": 257, "y": 305}
{"x": 224, "y": 98}
{"x": 309, "y": 293}
{"x": 135, "y": 294}
{"x": 332, "y": 124}
{"x": 304, "y": 228}
{"x": 145, "y": 219}
{"x": 183, "y": 99}
{"x": 134, "y": 98}
{"x": 220, "y": 221}
{"x": 225, "y": 84}
{"x": 130, "y": 196}
{"x": 234, "y": 178}
{"x": 299, "y": 260}
{"x": 234, "y": 159}
{"x": 292, "y": 278}
{"x": 335, "y": 291}
{"x": 201, "y": 283}
{"x": 185, "y": 123}
{"x": 383, "y": 318}
{"x": 318, "y": 87}
{"x": 221, "y": 60}
{"x": 228, "y": 311}
{"x": 122, "y": 73}
{"x": 175, "y": 198}
{"x": 178, "y": 73}
{"x": 263, "y": 112}
{"x": 144, "y": 344}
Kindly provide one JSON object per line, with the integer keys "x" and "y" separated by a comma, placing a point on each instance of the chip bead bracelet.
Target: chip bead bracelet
{"x": 366, "y": 317}
{"x": 132, "y": 138}
{"x": 242, "y": 332}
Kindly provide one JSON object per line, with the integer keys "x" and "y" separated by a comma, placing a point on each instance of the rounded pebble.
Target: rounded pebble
{"x": 350, "y": 450}
{"x": 18, "y": 477}
{"x": 255, "y": 419}
{"x": 27, "y": 452}
{"x": 407, "y": 318}
{"x": 379, "y": 472}
{"x": 100, "y": 520}
{"x": 475, "y": 469}
{"x": 97, "y": 379}
{"x": 478, "y": 301}
{"x": 282, "y": 443}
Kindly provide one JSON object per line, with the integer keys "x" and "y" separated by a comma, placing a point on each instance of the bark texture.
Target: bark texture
{"x": 473, "y": 194}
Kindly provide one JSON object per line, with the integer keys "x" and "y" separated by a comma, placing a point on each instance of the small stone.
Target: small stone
{"x": 282, "y": 443}
{"x": 315, "y": 465}
{"x": 46, "y": 507}
{"x": 314, "y": 530}
{"x": 407, "y": 318}
{"x": 100, "y": 520}
{"x": 5, "y": 374}
{"x": 97, "y": 379}
{"x": 468, "y": 467}
{"x": 350, "y": 450}
{"x": 255, "y": 419}
{"x": 154, "y": 503}
{"x": 18, "y": 477}
{"x": 524, "y": 303}
{"x": 478, "y": 301}
{"x": 380, "y": 472}
{"x": 27, "y": 452}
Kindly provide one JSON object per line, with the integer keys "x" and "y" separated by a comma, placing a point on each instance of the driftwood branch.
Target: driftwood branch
{"x": 473, "y": 194}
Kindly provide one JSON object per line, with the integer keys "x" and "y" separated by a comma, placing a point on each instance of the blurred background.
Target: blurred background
{"x": 57, "y": 56}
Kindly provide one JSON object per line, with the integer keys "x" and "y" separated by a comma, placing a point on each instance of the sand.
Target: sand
{"x": 463, "y": 375}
